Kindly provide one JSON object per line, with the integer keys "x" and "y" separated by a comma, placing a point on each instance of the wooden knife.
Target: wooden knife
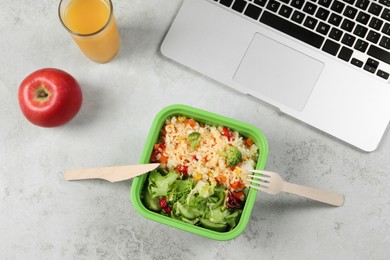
{"x": 111, "y": 174}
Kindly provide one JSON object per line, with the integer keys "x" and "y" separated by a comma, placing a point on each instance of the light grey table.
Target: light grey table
{"x": 44, "y": 217}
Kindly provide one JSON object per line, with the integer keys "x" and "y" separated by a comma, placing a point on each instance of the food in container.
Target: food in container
{"x": 201, "y": 184}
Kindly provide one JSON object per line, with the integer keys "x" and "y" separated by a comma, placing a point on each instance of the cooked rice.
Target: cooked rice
{"x": 207, "y": 161}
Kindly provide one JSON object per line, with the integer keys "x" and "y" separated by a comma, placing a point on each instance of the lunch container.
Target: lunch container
{"x": 212, "y": 119}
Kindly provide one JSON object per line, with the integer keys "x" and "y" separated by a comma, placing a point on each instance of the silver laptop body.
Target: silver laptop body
{"x": 314, "y": 79}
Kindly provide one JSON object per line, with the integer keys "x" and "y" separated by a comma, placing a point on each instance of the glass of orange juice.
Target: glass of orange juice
{"x": 92, "y": 25}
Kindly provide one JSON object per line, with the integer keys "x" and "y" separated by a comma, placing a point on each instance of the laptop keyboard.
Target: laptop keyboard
{"x": 354, "y": 31}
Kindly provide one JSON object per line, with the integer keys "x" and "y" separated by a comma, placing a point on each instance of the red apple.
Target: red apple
{"x": 49, "y": 97}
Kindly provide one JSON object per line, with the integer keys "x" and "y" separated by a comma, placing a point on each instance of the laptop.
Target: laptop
{"x": 324, "y": 62}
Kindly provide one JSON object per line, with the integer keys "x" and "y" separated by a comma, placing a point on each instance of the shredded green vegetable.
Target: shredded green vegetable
{"x": 196, "y": 202}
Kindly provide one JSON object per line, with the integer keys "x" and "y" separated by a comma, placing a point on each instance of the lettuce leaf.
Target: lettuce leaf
{"x": 191, "y": 201}
{"x": 160, "y": 185}
{"x": 180, "y": 190}
{"x": 233, "y": 218}
{"x": 218, "y": 215}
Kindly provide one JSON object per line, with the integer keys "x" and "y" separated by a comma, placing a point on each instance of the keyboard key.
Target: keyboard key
{"x": 335, "y": 19}
{"x": 350, "y": 12}
{"x": 285, "y": 11}
{"x": 379, "y": 54}
{"x": 361, "y": 45}
{"x": 309, "y": 8}
{"x": 369, "y": 68}
{"x": 331, "y": 47}
{"x": 345, "y": 54}
{"x": 356, "y": 62}
{"x": 297, "y": 3}
{"x": 385, "y": 42}
{"x": 323, "y": 28}
{"x": 348, "y": 39}
{"x": 252, "y": 11}
{"x": 349, "y": 1}
{"x": 325, "y": 3}
{"x": 360, "y": 31}
{"x": 239, "y": 5}
{"x": 373, "y": 36}
{"x": 375, "y": 23}
{"x": 310, "y": 22}
{"x": 322, "y": 14}
{"x": 386, "y": 29}
{"x": 347, "y": 25}
{"x": 273, "y": 6}
{"x": 298, "y": 16}
{"x": 260, "y": 2}
{"x": 362, "y": 4}
{"x": 371, "y": 65}
{"x": 363, "y": 17}
{"x": 375, "y": 9}
{"x": 335, "y": 34}
{"x": 386, "y": 14}
{"x": 385, "y": 2}
{"x": 292, "y": 29}
{"x": 337, "y": 6}
{"x": 227, "y": 3}
{"x": 382, "y": 74}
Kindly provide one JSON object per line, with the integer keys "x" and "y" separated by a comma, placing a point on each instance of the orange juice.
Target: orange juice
{"x": 93, "y": 27}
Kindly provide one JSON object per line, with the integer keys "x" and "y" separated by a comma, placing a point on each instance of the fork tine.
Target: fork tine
{"x": 259, "y": 177}
{"x": 260, "y": 188}
{"x": 259, "y": 181}
{"x": 262, "y": 173}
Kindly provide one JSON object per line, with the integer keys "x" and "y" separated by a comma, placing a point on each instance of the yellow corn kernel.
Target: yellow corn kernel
{"x": 181, "y": 119}
{"x": 210, "y": 174}
{"x": 197, "y": 176}
{"x": 238, "y": 171}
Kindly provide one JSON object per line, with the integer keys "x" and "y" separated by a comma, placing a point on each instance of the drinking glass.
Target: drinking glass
{"x": 92, "y": 25}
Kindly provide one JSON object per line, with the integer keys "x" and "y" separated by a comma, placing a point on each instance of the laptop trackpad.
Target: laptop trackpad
{"x": 278, "y": 72}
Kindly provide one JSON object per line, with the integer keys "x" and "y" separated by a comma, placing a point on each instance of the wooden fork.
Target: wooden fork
{"x": 272, "y": 183}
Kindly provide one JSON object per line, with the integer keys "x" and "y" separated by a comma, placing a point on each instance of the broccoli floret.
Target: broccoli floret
{"x": 233, "y": 156}
{"x": 194, "y": 140}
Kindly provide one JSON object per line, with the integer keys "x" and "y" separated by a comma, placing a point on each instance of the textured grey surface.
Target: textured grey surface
{"x": 44, "y": 217}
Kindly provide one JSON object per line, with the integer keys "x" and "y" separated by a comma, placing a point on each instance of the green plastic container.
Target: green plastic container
{"x": 205, "y": 117}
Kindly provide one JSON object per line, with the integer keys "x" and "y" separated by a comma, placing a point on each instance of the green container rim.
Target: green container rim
{"x": 209, "y": 118}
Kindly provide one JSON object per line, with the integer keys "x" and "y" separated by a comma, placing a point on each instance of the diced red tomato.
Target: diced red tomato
{"x": 182, "y": 169}
{"x": 226, "y": 132}
{"x": 164, "y": 205}
{"x": 163, "y": 202}
{"x": 153, "y": 157}
{"x": 239, "y": 195}
{"x": 158, "y": 149}
{"x": 167, "y": 210}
